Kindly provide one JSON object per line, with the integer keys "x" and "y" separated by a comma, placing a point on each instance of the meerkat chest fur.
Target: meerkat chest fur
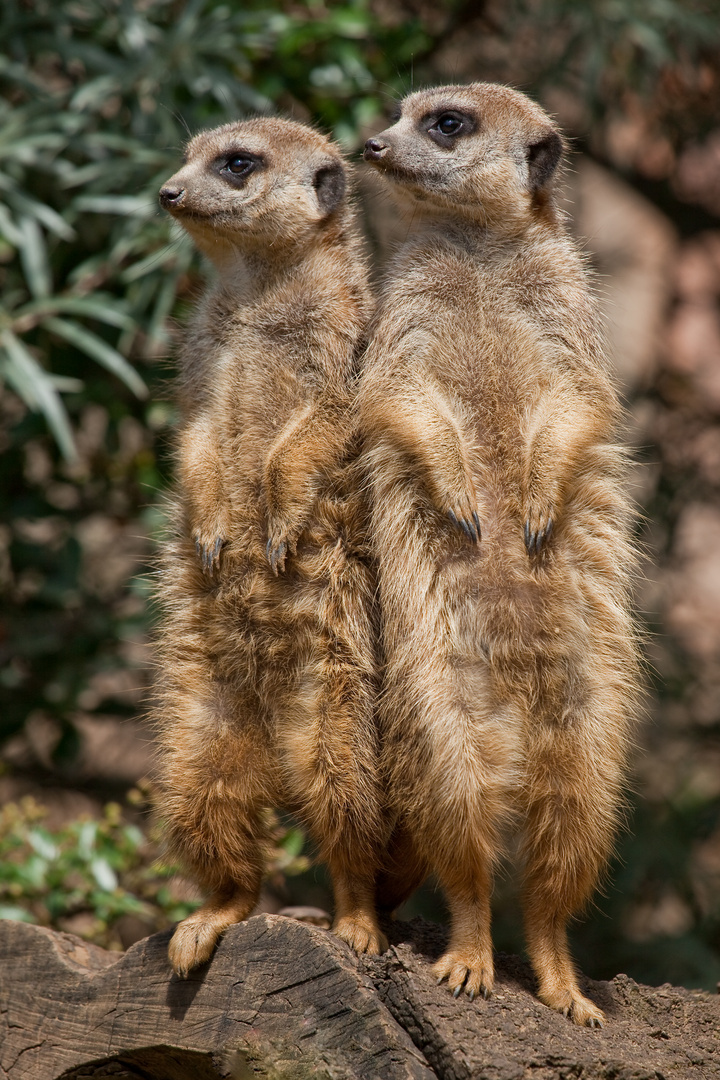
{"x": 487, "y": 304}
{"x": 268, "y": 366}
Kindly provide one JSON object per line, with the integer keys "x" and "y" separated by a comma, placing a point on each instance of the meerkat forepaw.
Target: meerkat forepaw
{"x": 282, "y": 542}
{"x": 538, "y": 531}
{"x": 209, "y": 553}
{"x": 276, "y": 553}
{"x": 469, "y": 524}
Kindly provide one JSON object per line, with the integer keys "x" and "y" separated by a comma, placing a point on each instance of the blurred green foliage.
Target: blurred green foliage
{"x": 96, "y": 99}
{"x": 86, "y": 875}
{"x": 603, "y": 48}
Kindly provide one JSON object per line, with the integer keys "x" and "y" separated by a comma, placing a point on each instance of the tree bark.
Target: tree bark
{"x": 287, "y": 1001}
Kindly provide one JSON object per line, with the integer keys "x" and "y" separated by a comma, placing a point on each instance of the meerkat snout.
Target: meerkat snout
{"x": 171, "y": 196}
{"x": 375, "y": 149}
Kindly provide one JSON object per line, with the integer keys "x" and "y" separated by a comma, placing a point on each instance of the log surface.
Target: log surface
{"x": 281, "y": 999}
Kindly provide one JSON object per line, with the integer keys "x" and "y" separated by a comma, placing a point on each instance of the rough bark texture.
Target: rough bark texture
{"x": 281, "y": 999}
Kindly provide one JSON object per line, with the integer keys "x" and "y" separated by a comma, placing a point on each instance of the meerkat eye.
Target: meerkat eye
{"x": 236, "y": 167}
{"x": 444, "y": 128}
{"x": 449, "y": 124}
{"x": 240, "y": 166}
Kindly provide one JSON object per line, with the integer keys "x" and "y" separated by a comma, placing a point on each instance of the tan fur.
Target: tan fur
{"x": 266, "y": 652}
{"x": 511, "y": 666}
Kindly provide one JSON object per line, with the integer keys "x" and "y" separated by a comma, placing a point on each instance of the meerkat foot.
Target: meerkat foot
{"x": 195, "y": 938}
{"x": 361, "y": 933}
{"x": 575, "y": 1006}
{"x": 192, "y": 944}
{"x": 209, "y": 553}
{"x": 466, "y": 972}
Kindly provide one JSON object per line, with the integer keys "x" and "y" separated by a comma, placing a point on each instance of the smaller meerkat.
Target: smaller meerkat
{"x": 266, "y": 649}
{"x": 502, "y": 531}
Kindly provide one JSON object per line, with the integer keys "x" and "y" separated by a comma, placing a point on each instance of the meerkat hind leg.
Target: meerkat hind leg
{"x": 558, "y": 987}
{"x": 468, "y": 963}
{"x": 355, "y": 915}
{"x": 568, "y": 834}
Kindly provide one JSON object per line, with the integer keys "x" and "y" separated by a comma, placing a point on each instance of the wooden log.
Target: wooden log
{"x": 288, "y": 1001}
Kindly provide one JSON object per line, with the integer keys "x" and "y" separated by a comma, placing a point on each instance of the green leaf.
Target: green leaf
{"x": 94, "y": 347}
{"x": 8, "y": 228}
{"x": 104, "y": 874}
{"x": 125, "y": 205}
{"x": 50, "y": 218}
{"x": 66, "y": 384}
{"x": 43, "y": 844}
{"x": 292, "y": 843}
{"x": 34, "y": 258}
{"x": 104, "y": 307}
{"x": 35, "y": 387}
{"x": 86, "y": 839}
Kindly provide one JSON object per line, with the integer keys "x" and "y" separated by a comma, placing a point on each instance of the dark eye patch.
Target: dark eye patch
{"x": 444, "y": 126}
{"x": 396, "y": 113}
{"x": 235, "y": 166}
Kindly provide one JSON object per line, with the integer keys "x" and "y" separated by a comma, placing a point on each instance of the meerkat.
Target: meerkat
{"x": 266, "y": 644}
{"x": 502, "y": 530}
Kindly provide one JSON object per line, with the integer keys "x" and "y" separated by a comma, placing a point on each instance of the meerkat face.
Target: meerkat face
{"x": 482, "y": 151}
{"x": 254, "y": 185}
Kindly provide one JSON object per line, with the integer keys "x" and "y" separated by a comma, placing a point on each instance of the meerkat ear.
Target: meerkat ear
{"x": 543, "y": 157}
{"x": 329, "y": 184}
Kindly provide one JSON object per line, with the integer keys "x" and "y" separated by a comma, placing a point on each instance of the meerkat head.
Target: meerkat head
{"x": 481, "y": 151}
{"x": 258, "y": 185}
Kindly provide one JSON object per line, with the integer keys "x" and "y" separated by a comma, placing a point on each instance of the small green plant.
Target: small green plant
{"x": 86, "y": 875}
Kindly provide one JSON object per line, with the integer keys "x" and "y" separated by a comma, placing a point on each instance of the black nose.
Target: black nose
{"x": 375, "y": 149}
{"x": 171, "y": 196}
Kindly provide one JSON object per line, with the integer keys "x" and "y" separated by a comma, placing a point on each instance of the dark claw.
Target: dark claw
{"x": 472, "y": 531}
{"x": 275, "y": 555}
{"x": 471, "y": 995}
{"x": 536, "y": 541}
{"x": 485, "y": 992}
{"x": 468, "y": 530}
{"x": 440, "y": 980}
{"x": 457, "y": 991}
{"x": 209, "y": 555}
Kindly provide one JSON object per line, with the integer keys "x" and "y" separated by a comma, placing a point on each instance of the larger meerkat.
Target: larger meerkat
{"x": 266, "y": 661}
{"x": 501, "y": 525}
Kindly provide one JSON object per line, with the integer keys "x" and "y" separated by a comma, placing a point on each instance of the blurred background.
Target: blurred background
{"x": 96, "y": 100}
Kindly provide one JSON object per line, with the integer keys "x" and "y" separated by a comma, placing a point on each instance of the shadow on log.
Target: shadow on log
{"x": 284, "y": 1000}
